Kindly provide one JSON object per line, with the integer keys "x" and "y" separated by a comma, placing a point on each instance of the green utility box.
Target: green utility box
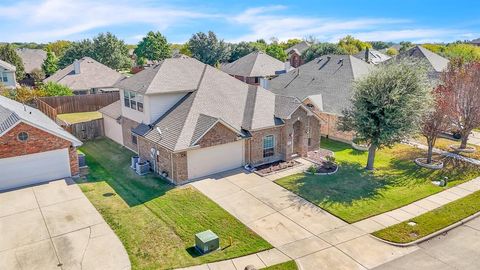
{"x": 206, "y": 241}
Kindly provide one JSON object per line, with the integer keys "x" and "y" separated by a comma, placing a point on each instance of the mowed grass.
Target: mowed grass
{"x": 354, "y": 194}
{"x": 73, "y": 118}
{"x": 290, "y": 265}
{"x": 155, "y": 221}
{"x": 432, "y": 221}
{"x": 444, "y": 144}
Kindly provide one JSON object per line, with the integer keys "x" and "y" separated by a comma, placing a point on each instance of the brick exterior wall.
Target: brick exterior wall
{"x": 295, "y": 60}
{"x": 127, "y": 125}
{"x": 329, "y": 128}
{"x": 254, "y": 155}
{"x": 38, "y": 141}
{"x": 219, "y": 134}
{"x": 310, "y": 129}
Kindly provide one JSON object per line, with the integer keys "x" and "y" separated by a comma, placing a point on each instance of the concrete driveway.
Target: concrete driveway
{"x": 458, "y": 249}
{"x": 314, "y": 238}
{"x": 54, "y": 226}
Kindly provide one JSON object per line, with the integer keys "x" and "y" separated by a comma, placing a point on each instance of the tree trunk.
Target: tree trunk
{"x": 429, "y": 151}
{"x": 371, "y": 157}
{"x": 463, "y": 144}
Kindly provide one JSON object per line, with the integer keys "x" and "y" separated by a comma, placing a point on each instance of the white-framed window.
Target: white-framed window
{"x": 4, "y": 77}
{"x": 268, "y": 146}
{"x": 133, "y": 100}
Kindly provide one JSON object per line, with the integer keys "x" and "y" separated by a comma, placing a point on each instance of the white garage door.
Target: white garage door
{"x": 113, "y": 129}
{"x": 34, "y": 168}
{"x": 210, "y": 160}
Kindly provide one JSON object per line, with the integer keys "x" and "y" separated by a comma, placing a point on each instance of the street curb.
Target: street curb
{"x": 432, "y": 235}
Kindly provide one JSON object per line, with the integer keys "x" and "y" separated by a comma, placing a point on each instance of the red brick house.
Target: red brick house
{"x": 295, "y": 54}
{"x": 190, "y": 120}
{"x": 33, "y": 148}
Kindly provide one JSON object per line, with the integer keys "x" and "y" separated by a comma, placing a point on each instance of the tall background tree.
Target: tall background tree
{"x": 391, "y": 51}
{"x": 76, "y": 50}
{"x": 276, "y": 51}
{"x": 239, "y": 50}
{"x": 9, "y": 55}
{"x": 463, "y": 80}
{"x": 319, "y": 49}
{"x": 388, "y": 105}
{"x": 58, "y": 47}
{"x": 208, "y": 49}
{"x": 352, "y": 45}
{"x": 290, "y": 43}
{"x": 50, "y": 64}
{"x": 154, "y": 47}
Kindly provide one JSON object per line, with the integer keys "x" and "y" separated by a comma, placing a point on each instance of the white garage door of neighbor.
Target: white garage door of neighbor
{"x": 210, "y": 160}
{"x": 35, "y": 168}
{"x": 113, "y": 129}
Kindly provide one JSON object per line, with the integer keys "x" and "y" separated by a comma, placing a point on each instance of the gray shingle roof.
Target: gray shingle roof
{"x": 286, "y": 105}
{"x": 7, "y": 66}
{"x": 475, "y": 41}
{"x": 331, "y": 76}
{"x": 254, "y": 64}
{"x": 299, "y": 48}
{"x": 32, "y": 58}
{"x": 12, "y": 112}
{"x": 374, "y": 57}
{"x": 113, "y": 110}
{"x": 92, "y": 75}
{"x": 437, "y": 62}
{"x": 169, "y": 76}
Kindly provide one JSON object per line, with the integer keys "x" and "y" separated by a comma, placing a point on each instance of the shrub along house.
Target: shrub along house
{"x": 255, "y": 68}
{"x": 190, "y": 120}
{"x": 33, "y": 148}
{"x": 87, "y": 76}
{"x": 324, "y": 84}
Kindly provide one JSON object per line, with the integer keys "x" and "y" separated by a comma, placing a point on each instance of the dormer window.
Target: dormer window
{"x": 133, "y": 100}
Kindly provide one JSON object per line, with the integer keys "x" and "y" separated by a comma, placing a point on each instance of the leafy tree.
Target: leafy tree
{"x": 467, "y": 52}
{"x": 50, "y": 64}
{"x": 276, "y": 51}
{"x": 111, "y": 51}
{"x": 391, "y": 51}
{"x": 463, "y": 80}
{"x": 239, "y": 50}
{"x": 53, "y": 89}
{"x": 22, "y": 94}
{"x": 319, "y": 49}
{"x": 208, "y": 49}
{"x": 380, "y": 45}
{"x": 436, "y": 48}
{"x": 58, "y": 47}
{"x": 289, "y": 43}
{"x": 185, "y": 50}
{"x": 9, "y": 55}
{"x": 388, "y": 105}
{"x": 77, "y": 50}
{"x": 260, "y": 45}
{"x": 352, "y": 45}
{"x": 37, "y": 74}
{"x": 405, "y": 45}
{"x": 153, "y": 47}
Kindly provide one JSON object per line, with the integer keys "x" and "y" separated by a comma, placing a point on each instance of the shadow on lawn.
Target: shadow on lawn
{"x": 110, "y": 162}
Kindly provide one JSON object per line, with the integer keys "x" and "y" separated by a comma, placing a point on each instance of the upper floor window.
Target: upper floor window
{"x": 268, "y": 146}
{"x": 133, "y": 100}
{"x": 3, "y": 77}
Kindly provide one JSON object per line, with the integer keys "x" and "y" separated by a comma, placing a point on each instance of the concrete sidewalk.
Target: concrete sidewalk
{"x": 296, "y": 228}
{"x": 54, "y": 226}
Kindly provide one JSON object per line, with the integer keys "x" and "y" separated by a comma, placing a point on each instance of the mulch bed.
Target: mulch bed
{"x": 276, "y": 166}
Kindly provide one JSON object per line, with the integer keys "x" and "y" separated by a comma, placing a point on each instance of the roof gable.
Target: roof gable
{"x": 254, "y": 64}
{"x": 7, "y": 66}
{"x": 437, "y": 62}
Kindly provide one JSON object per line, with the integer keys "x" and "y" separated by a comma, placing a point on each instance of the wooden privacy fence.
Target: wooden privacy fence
{"x": 86, "y": 130}
{"x": 74, "y": 104}
{"x": 46, "y": 109}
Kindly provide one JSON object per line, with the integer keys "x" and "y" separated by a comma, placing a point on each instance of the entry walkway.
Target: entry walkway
{"x": 297, "y": 229}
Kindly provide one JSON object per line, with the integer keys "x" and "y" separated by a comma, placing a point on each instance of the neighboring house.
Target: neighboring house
{"x": 254, "y": 68}
{"x": 325, "y": 84}
{"x": 7, "y": 74}
{"x": 372, "y": 56}
{"x": 475, "y": 42}
{"x": 295, "y": 54}
{"x": 190, "y": 120}
{"x": 87, "y": 76}
{"x": 436, "y": 63}
{"x": 32, "y": 58}
{"x": 33, "y": 148}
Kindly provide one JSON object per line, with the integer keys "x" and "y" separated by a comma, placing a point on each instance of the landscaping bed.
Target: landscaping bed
{"x": 432, "y": 221}
{"x": 274, "y": 167}
{"x": 354, "y": 194}
{"x": 155, "y": 221}
{"x": 444, "y": 144}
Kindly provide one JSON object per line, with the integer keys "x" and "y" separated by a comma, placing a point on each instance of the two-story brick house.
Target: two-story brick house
{"x": 190, "y": 120}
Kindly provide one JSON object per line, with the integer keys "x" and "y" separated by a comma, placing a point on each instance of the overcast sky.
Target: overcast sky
{"x": 327, "y": 20}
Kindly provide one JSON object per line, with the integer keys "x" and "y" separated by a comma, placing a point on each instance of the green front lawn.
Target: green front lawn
{"x": 432, "y": 221}
{"x": 155, "y": 221}
{"x": 290, "y": 265}
{"x": 444, "y": 144}
{"x": 354, "y": 194}
{"x": 73, "y": 118}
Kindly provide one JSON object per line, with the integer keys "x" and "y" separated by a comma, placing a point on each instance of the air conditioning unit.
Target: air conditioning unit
{"x": 134, "y": 162}
{"x": 143, "y": 167}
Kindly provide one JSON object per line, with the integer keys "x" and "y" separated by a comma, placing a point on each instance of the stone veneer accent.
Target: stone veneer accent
{"x": 38, "y": 141}
{"x": 127, "y": 125}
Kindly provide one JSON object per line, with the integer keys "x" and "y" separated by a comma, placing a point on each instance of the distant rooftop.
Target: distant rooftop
{"x": 32, "y": 58}
{"x": 254, "y": 64}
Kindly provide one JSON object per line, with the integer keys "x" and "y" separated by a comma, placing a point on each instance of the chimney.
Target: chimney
{"x": 76, "y": 66}
{"x": 367, "y": 55}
